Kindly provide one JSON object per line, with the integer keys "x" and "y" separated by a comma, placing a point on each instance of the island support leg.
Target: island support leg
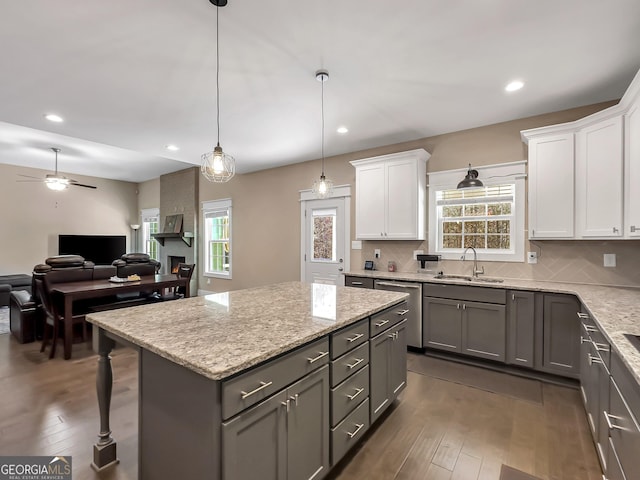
{"x": 104, "y": 452}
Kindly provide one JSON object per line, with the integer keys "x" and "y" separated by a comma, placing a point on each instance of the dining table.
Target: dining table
{"x": 93, "y": 289}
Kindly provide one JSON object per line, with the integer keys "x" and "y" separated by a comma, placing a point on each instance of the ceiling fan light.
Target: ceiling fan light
{"x": 57, "y": 184}
{"x": 217, "y": 166}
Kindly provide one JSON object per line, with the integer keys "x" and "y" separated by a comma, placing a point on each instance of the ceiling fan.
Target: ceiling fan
{"x": 55, "y": 181}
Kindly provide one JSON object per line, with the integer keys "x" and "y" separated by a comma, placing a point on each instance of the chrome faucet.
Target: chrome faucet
{"x": 476, "y": 272}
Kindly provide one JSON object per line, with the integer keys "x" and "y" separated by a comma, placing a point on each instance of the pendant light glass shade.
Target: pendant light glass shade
{"x": 217, "y": 166}
{"x": 323, "y": 187}
{"x": 471, "y": 179}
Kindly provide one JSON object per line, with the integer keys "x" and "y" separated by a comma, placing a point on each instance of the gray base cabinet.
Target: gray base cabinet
{"x": 622, "y": 418}
{"x": 560, "y": 335}
{"x": 594, "y": 383}
{"x": 467, "y": 320}
{"x": 285, "y": 437}
{"x": 520, "y": 328}
{"x": 388, "y": 360}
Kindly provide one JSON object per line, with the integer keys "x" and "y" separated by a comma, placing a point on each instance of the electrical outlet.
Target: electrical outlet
{"x": 416, "y": 253}
{"x": 609, "y": 259}
{"x": 532, "y": 257}
{"x": 376, "y": 253}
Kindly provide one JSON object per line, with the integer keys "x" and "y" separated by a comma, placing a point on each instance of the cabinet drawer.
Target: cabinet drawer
{"x": 361, "y": 282}
{"x": 348, "y": 338}
{"x": 259, "y": 383}
{"x": 349, "y": 431}
{"x": 463, "y": 292}
{"x": 348, "y": 395}
{"x": 387, "y": 318}
{"x": 349, "y": 363}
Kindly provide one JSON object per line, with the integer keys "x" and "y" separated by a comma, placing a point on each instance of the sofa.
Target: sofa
{"x": 13, "y": 282}
{"x": 25, "y": 315}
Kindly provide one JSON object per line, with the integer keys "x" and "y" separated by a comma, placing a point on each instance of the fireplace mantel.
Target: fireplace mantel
{"x": 186, "y": 237}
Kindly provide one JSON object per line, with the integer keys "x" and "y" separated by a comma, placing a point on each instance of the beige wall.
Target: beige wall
{"x": 266, "y": 213}
{"x": 33, "y": 216}
{"x": 149, "y": 194}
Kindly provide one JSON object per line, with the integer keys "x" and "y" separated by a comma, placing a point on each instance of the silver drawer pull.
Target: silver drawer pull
{"x": 358, "y": 392}
{"x": 294, "y": 399}
{"x": 399, "y": 285}
{"x": 380, "y": 324}
{"x": 589, "y": 328}
{"x": 608, "y": 418}
{"x": 355, "y": 337}
{"x": 584, "y": 340}
{"x": 356, "y": 283}
{"x": 402, "y": 312}
{"x": 356, "y": 363}
{"x": 262, "y": 386}
{"x": 584, "y": 316}
{"x": 393, "y": 335}
{"x": 602, "y": 347}
{"x": 322, "y": 354}
{"x": 354, "y": 433}
{"x": 595, "y": 359}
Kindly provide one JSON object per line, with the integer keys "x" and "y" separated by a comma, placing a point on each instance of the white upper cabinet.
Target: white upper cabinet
{"x": 391, "y": 196}
{"x": 632, "y": 170}
{"x": 551, "y": 190}
{"x": 584, "y": 175}
{"x": 599, "y": 179}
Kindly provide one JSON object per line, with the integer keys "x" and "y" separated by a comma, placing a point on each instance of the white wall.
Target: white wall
{"x": 32, "y": 216}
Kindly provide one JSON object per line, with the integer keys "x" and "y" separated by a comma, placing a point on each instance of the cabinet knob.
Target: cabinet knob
{"x": 632, "y": 228}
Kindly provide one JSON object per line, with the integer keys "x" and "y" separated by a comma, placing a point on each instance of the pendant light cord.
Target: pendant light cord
{"x": 322, "y": 117}
{"x": 218, "y": 72}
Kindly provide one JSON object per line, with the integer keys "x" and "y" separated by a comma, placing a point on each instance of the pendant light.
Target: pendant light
{"x": 218, "y": 166}
{"x": 471, "y": 179}
{"x": 323, "y": 187}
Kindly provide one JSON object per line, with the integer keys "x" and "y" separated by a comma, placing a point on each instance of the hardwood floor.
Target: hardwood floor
{"x": 439, "y": 429}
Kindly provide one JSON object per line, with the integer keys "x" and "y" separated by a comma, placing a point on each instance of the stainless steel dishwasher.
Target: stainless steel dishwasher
{"x": 414, "y": 304}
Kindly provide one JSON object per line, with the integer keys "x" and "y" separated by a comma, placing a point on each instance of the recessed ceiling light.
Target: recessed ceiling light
{"x": 342, "y": 130}
{"x": 173, "y": 148}
{"x": 513, "y": 86}
{"x": 52, "y": 117}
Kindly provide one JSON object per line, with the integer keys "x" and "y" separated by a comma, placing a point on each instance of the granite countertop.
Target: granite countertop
{"x": 222, "y": 334}
{"x": 615, "y": 309}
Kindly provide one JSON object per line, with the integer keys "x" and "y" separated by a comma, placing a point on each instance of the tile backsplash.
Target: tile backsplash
{"x": 560, "y": 261}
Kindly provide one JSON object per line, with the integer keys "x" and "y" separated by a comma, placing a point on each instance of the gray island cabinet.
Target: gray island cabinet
{"x": 273, "y": 382}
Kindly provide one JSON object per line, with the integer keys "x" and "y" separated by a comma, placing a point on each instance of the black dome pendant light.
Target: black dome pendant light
{"x": 471, "y": 179}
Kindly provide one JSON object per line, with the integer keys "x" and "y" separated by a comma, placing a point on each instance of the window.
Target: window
{"x": 150, "y": 220}
{"x": 489, "y": 218}
{"x": 324, "y": 235}
{"x": 217, "y": 238}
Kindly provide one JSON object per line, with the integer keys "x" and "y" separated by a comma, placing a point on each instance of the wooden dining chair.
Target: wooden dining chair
{"x": 53, "y": 319}
{"x": 185, "y": 270}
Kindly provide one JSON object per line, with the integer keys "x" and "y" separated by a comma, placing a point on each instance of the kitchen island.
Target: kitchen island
{"x": 243, "y": 381}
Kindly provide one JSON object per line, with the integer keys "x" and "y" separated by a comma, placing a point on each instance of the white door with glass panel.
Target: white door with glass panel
{"x": 324, "y": 241}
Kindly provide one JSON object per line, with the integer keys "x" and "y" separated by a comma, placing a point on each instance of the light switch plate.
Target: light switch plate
{"x": 416, "y": 253}
{"x": 609, "y": 259}
{"x": 356, "y": 245}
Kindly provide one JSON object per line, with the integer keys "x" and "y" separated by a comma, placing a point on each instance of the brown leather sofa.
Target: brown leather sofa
{"x": 13, "y": 282}
{"x": 136, "y": 264}
{"x": 25, "y": 315}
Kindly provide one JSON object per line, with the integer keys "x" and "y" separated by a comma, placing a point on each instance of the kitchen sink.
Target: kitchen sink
{"x": 634, "y": 339}
{"x": 468, "y": 278}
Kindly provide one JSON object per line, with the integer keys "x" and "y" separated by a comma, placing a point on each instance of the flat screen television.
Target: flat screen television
{"x": 99, "y": 249}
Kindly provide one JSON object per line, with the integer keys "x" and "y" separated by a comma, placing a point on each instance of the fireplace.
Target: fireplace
{"x": 173, "y": 261}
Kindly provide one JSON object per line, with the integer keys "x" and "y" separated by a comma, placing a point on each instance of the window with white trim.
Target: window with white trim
{"x": 150, "y": 222}
{"x": 488, "y": 218}
{"x": 216, "y": 216}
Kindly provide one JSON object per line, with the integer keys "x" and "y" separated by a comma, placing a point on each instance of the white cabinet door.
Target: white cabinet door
{"x": 632, "y": 170}
{"x": 391, "y": 196}
{"x": 551, "y": 186}
{"x": 402, "y": 201}
{"x": 599, "y": 166}
{"x": 370, "y": 202}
